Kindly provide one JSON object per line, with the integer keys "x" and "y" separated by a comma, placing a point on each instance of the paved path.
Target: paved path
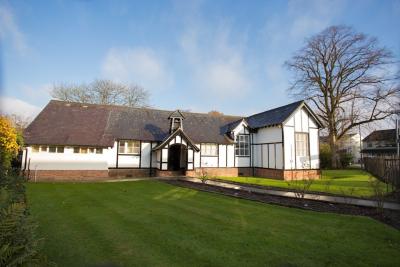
{"x": 325, "y": 198}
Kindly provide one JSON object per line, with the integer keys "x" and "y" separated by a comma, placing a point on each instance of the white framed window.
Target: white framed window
{"x": 302, "y": 149}
{"x": 35, "y": 149}
{"x": 129, "y": 147}
{"x": 87, "y": 150}
{"x": 242, "y": 145}
{"x": 209, "y": 149}
{"x": 56, "y": 149}
{"x": 43, "y": 148}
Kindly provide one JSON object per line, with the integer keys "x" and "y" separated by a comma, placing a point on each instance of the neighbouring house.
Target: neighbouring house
{"x": 75, "y": 141}
{"x": 349, "y": 143}
{"x": 380, "y": 143}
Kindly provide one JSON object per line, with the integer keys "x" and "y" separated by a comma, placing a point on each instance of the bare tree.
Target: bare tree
{"x": 104, "y": 92}
{"x": 347, "y": 77}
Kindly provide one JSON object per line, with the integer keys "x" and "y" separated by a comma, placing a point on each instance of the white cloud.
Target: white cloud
{"x": 9, "y": 29}
{"x": 18, "y": 107}
{"x": 138, "y": 65}
{"x": 217, "y": 62}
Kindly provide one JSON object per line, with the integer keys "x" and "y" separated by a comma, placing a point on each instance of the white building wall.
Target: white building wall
{"x": 231, "y": 156}
{"x": 240, "y": 161}
{"x": 197, "y": 158}
{"x": 314, "y": 148}
{"x": 222, "y": 155}
{"x": 268, "y": 135}
{"x": 209, "y": 161}
{"x": 145, "y": 151}
{"x": 289, "y": 147}
{"x": 301, "y": 121}
{"x": 267, "y": 148}
{"x": 128, "y": 161}
{"x": 67, "y": 160}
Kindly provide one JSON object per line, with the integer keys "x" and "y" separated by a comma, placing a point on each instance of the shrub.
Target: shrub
{"x": 8, "y": 143}
{"x": 346, "y": 159}
{"x": 19, "y": 245}
{"x": 325, "y": 156}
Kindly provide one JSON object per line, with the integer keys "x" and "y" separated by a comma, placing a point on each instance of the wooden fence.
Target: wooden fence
{"x": 385, "y": 169}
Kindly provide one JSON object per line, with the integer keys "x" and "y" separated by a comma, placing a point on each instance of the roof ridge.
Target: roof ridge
{"x": 141, "y": 108}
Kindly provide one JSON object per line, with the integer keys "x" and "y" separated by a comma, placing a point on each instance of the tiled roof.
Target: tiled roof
{"x": 273, "y": 116}
{"x": 67, "y": 123}
{"x": 382, "y": 135}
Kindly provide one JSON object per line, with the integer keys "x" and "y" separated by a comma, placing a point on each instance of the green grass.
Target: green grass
{"x": 350, "y": 182}
{"x": 148, "y": 223}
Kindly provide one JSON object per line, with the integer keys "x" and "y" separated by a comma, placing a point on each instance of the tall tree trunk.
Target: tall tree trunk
{"x": 335, "y": 159}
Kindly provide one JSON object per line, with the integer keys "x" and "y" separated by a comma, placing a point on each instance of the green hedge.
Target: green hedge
{"x": 19, "y": 246}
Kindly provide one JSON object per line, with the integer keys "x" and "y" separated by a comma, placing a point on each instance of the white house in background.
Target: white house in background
{"x": 73, "y": 141}
{"x": 349, "y": 143}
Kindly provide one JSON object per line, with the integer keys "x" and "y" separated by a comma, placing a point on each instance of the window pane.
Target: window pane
{"x": 43, "y": 148}
{"x": 52, "y": 149}
{"x": 92, "y": 150}
{"x": 76, "y": 149}
{"x": 242, "y": 146}
{"x": 209, "y": 150}
{"x": 84, "y": 150}
{"x": 121, "y": 147}
{"x": 99, "y": 151}
{"x": 35, "y": 149}
{"x": 60, "y": 149}
{"x": 302, "y": 145}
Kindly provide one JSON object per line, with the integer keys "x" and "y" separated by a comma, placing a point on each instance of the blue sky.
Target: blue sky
{"x": 197, "y": 55}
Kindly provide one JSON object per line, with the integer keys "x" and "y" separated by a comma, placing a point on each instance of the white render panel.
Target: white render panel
{"x": 231, "y": 156}
{"x": 271, "y": 160}
{"x": 314, "y": 148}
{"x": 242, "y": 161}
{"x": 264, "y": 163}
{"x": 209, "y": 161}
{"x": 197, "y": 158}
{"x": 66, "y": 161}
{"x": 164, "y": 166}
{"x": 190, "y": 155}
{"x": 125, "y": 161}
{"x": 268, "y": 135}
{"x": 222, "y": 155}
{"x": 279, "y": 156}
{"x": 304, "y": 120}
{"x": 290, "y": 121}
{"x": 164, "y": 155}
{"x": 112, "y": 155}
{"x": 289, "y": 147}
{"x": 157, "y": 158}
{"x": 256, "y": 152}
{"x": 145, "y": 160}
{"x": 178, "y": 139}
{"x": 297, "y": 121}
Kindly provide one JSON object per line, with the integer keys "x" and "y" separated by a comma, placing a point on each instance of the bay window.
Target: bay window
{"x": 242, "y": 145}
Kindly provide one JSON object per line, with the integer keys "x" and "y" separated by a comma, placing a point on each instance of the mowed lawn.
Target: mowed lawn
{"x": 350, "y": 182}
{"x": 149, "y": 223}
